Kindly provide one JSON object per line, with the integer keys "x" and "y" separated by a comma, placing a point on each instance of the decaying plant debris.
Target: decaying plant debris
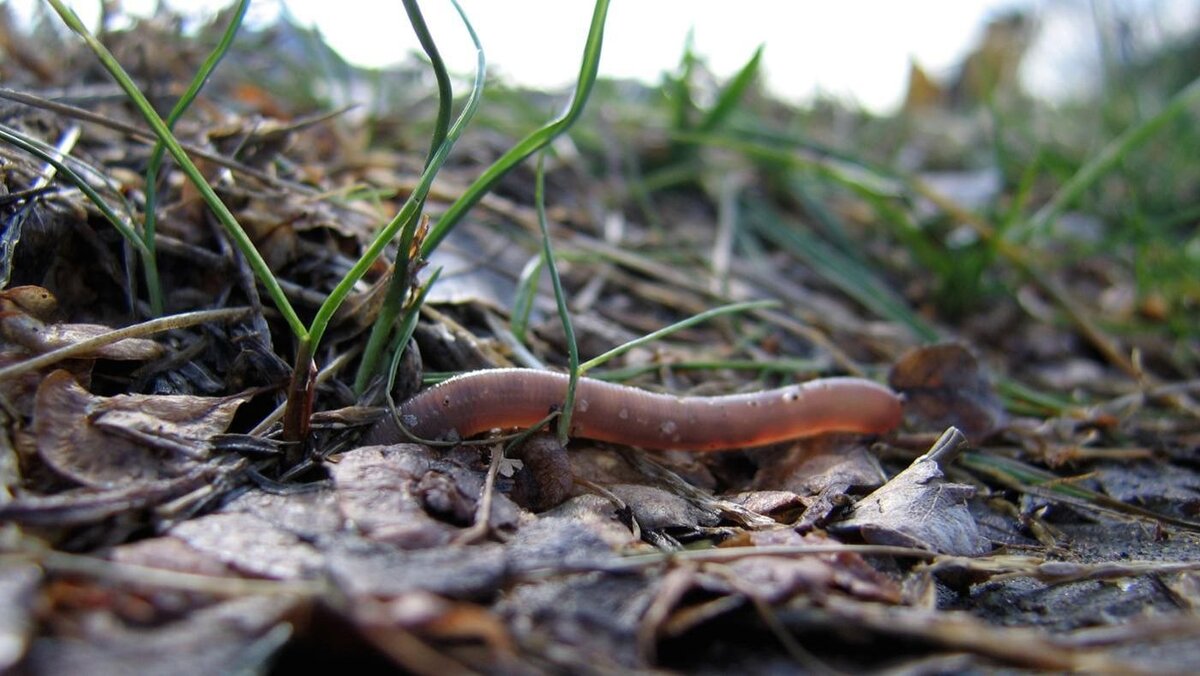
{"x": 151, "y": 518}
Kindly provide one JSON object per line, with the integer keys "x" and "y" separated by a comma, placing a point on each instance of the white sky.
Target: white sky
{"x": 857, "y": 50}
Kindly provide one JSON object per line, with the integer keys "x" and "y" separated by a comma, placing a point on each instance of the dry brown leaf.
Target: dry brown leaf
{"x": 945, "y": 386}
{"x": 918, "y": 508}
{"x": 810, "y": 466}
{"x": 89, "y": 505}
{"x": 367, "y": 569}
{"x": 412, "y": 497}
{"x": 775, "y": 578}
{"x": 39, "y": 337}
{"x": 385, "y": 623}
{"x": 251, "y": 546}
{"x": 170, "y": 553}
{"x": 32, "y": 300}
{"x": 581, "y": 534}
{"x": 226, "y": 637}
{"x": 104, "y": 442}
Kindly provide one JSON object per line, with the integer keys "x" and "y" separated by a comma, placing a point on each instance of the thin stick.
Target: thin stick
{"x": 135, "y": 331}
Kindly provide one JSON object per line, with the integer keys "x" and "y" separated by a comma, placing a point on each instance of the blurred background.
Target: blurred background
{"x": 859, "y": 52}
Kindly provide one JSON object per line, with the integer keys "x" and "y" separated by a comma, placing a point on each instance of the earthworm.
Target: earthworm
{"x": 477, "y": 402}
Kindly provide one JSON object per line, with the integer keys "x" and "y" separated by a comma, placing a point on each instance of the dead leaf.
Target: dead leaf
{"x": 944, "y": 386}
{"x": 32, "y": 300}
{"x": 410, "y": 496}
{"x": 251, "y": 546}
{"x": 39, "y": 337}
{"x": 310, "y": 515}
{"x": 580, "y": 534}
{"x": 170, "y": 553}
{"x": 810, "y": 466}
{"x": 825, "y": 467}
{"x": 918, "y": 508}
{"x": 775, "y": 578}
{"x": 227, "y": 637}
{"x": 364, "y": 568}
{"x": 658, "y": 509}
{"x": 82, "y": 506}
{"x": 771, "y": 503}
{"x": 591, "y": 620}
{"x": 105, "y": 442}
{"x": 387, "y": 625}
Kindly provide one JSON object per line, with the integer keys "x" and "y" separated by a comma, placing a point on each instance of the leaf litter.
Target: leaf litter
{"x": 143, "y": 528}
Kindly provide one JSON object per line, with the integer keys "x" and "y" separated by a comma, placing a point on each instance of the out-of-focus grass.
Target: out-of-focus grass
{"x": 1107, "y": 186}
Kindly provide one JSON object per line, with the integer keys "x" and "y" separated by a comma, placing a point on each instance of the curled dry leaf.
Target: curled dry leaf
{"x": 103, "y": 442}
{"x": 81, "y": 506}
{"x": 918, "y": 508}
{"x": 364, "y": 569}
{"x": 592, "y": 621}
{"x": 32, "y": 300}
{"x": 821, "y": 471}
{"x": 945, "y": 386}
{"x": 656, "y": 508}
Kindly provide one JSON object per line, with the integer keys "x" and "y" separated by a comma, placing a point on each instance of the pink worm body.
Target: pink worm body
{"x": 480, "y": 401}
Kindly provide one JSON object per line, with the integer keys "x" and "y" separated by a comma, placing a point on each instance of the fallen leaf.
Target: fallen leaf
{"x": 251, "y": 546}
{"x": 228, "y": 637}
{"x": 387, "y": 624}
{"x": 945, "y": 386}
{"x": 410, "y": 496}
{"x": 592, "y": 621}
{"x": 811, "y": 466}
{"x": 364, "y": 568}
{"x": 39, "y": 337}
{"x": 659, "y": 509}
{"x": 918, "y": 508}
{"x": 82, "y": 506}
{"x": 105, "y": 442}
{"x": 33, "y": 300}
{"x": 775, "y": 578}
{"x": 580, "y": 534}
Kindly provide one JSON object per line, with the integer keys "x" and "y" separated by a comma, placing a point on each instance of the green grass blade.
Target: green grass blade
{"x": 1108, "y": 158}
{"x": 531, "y": 143}
{"x": 680, "y": 87}
{"x": 844, "y": 272}
{"x": 12, "y": 137}
{"x": 445, "y": 91}
{"x": 407, "y": 326}
{"x": 1029, "y": 479}
{"x": 398, "y": 286}
{"x": 560, "y": 298}
{"x": 732, "y": 308}
{"x": 407, "y": 212}
{"x": 232, "y": 227}
{"x": 149, "y": 223}
{"x": 527, "y": 285}
{"x": 838, "y": 267}
{"x": 731, "y": 95}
